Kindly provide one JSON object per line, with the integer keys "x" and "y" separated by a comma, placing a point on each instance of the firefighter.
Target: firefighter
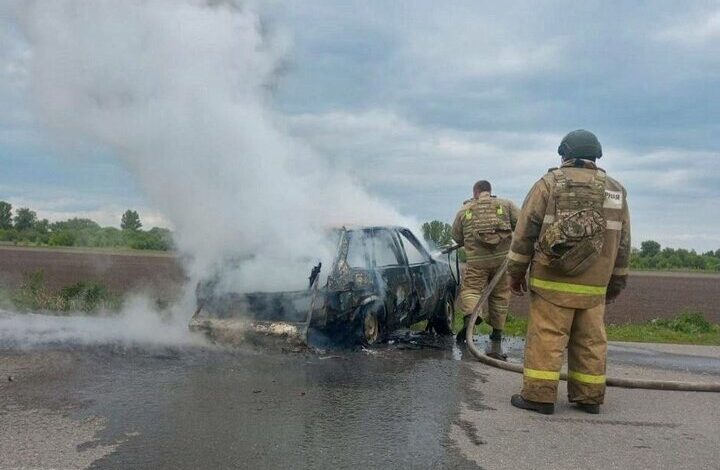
{"x": 484, "y": 227}
{"x": 574, "y": 234}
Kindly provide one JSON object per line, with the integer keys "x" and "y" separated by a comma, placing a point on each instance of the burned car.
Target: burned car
{"x": 382, "y": 279}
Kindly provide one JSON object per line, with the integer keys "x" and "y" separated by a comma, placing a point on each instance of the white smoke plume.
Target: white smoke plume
{"x": 137, "y": 325}
{"x": 179, "y": 90}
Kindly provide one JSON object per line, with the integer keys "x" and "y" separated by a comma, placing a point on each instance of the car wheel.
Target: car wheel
{"x": 369, "y": 328}
{"x": 442, "y": 321}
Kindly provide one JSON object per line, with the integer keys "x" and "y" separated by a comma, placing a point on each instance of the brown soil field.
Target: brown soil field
{"x": 657, "y": 295}
{"x": 121, "y": 271}
{"x": 648, "y": 295}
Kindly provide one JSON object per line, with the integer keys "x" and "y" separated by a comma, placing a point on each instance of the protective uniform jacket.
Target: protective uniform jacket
{"x": 484, "y": 227}
{"x": 554, "y": 191}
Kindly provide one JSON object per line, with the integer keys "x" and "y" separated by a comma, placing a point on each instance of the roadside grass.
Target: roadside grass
{"x": 688, "y": 327}
{"x": 34, "y": 296}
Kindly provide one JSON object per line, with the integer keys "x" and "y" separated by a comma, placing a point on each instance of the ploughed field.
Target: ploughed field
{"x": 658, "y": 295}
{"x": 120, "y": 271}
{"x": 649, "y": 295}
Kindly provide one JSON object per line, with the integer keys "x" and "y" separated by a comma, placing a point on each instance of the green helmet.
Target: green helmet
{"x": 580, "y": 144}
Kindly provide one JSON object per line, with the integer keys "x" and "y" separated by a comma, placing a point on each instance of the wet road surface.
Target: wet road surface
{"x": 114, "y": 406}
{"x": 200, "y": 408}
{"x": 646, "y": 355}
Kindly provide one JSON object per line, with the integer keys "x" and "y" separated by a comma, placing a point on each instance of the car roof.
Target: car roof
{"x": 351, "y": 228}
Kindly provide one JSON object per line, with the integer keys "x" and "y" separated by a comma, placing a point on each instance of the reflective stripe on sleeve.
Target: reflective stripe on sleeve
{"x": 517, "y": 257}
{"x": 621, "y": 271}
{"x": 586, "y": 378}
{"x": 541, "y": 374}
{"x": 614, "y": 225}
{"x": 567, "y": 287}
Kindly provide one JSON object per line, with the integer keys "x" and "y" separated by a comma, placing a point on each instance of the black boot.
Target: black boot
{"x": 544, "y": 408}
{"x": 460, "y": 336}
{"x": 494, "y": 348}
{"x": 591, "y": 408}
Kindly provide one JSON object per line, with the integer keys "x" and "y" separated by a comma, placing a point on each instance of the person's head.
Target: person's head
{"x": 580, "y": 144}
{"x": 480, "y": 187}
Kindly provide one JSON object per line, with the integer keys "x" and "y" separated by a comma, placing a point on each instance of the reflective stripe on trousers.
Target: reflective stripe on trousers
{"x": 551, "y": 330}
{"x": 585, "y": 378}
{"x": 541, "y": 374}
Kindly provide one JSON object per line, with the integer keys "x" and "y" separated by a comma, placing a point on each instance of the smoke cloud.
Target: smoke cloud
{"x": 137, "y": 325}
{"x": 180, "y": 91}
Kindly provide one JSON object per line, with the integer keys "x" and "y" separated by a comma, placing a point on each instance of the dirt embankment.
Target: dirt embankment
{"x": 121, "y": 272}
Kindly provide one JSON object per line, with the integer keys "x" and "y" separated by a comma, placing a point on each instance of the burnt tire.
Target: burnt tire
{"x": 369, "y": 328}
{"x": 442, "y": 321}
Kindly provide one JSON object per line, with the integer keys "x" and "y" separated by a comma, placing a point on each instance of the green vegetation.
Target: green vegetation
{"x": 686, "y": 328}
{"x": 33, "y": 296}
{"x": 652, "y": 256}
{"x": 437, "y": 233}
{"x": 26, "y": 229}
{"x": 514, "y": 326}
{"x": 5, "y": 215}
{"x": 130, "y": 221}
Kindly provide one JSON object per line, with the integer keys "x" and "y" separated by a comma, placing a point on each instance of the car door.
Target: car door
{"x": 423, "y": 274}
{"x": 393, "y": 277}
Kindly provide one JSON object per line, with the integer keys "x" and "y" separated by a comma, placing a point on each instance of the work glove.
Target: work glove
{"x": 615, "y": 286}
{"x": 518, "y": 285}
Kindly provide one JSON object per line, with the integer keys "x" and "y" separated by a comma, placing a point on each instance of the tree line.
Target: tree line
{"x": 650, "y": 255}
{"x": 23, "y": 226}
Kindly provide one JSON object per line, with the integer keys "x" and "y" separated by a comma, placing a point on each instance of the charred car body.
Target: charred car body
{"x": 381, "y": 279}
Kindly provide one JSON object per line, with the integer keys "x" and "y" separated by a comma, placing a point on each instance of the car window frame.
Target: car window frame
{"x": 362, "y": 240}
{"x": 396, "y": 248}
{"x": 410, "y": 237}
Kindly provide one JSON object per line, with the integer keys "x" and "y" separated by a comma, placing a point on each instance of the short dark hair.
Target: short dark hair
{"x": 482, "y": 186}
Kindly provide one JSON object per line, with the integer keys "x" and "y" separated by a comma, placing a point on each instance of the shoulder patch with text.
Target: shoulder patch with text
{"x": 613, "y": 200}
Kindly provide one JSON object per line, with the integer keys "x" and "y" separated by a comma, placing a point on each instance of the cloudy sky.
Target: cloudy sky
{"x": 419, "y": 99}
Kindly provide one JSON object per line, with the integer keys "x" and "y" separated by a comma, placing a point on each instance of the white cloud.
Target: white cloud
{"x": 399, "y": 152}
{"x": 457, "y": 46}
{"x": 429, "y": 170}
{"x": 67, "y": 206}
{"x": 418, "y": 103}
{"x": 699, "y": 29}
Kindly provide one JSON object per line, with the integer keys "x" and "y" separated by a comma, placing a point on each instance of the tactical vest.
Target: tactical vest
{"x": 575, "y": 228}
{"x": 487, "y": 220}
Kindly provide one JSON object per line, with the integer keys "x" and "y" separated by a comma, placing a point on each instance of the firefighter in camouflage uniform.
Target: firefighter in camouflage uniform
{"x": 574, "y": 234}
{"x": 484, "y": 227}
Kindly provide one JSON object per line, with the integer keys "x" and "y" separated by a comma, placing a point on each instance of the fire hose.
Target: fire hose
{"x": 610, "y": 381}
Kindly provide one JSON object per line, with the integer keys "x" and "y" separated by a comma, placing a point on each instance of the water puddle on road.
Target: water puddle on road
{"x": 197, "y": 406}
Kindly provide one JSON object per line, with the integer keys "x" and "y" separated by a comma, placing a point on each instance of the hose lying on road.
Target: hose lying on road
{"x": 611, "y": 381}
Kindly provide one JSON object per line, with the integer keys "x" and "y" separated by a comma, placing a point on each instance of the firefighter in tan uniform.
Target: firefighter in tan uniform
{"x": 574, "y": 234}
{"x": 484, "y": 227}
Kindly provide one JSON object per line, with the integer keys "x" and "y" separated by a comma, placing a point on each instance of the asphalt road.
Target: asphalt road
{"x": 638, "y": 429}
{"x": 124, "y": 405}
